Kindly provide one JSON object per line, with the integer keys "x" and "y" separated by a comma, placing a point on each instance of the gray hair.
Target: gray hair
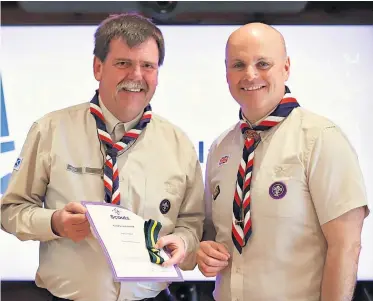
{"x": 132, "y": 28}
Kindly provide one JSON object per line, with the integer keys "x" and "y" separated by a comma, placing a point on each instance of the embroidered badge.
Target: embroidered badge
{"x": 277, "y": 190}
{"x": 223, "y": 160}
{"x": 17, "y": 165}
{"x": 165, "y": 206}
{"x": 216, "y": 192}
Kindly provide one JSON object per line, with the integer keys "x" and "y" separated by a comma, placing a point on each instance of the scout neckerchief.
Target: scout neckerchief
{"x": 111, "y": 176}
{"x": 241, "y": 225}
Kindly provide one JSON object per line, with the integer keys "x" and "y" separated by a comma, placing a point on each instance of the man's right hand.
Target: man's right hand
{"x": 212, "y": 257}
{"x": 71, "y": 222}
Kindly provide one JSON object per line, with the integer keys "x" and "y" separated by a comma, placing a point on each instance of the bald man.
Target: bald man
{"x": 284, "y": 193}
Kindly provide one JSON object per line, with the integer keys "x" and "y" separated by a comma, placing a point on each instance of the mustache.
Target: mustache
{"x": 132, "y": 85}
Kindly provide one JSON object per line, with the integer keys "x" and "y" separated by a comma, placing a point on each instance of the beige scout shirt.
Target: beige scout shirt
{"x": 285, "y": 255}
{"x": 162, "y": 164}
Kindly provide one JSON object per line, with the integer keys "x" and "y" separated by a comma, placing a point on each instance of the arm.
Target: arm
{"x": 190, "y": 220}
{"x": 22, "y": 212}
{"x": 343, "y": 238}
{"x": 338, "y": 193}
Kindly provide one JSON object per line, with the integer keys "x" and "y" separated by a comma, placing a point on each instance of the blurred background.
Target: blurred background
{"x": 48, "y": 44}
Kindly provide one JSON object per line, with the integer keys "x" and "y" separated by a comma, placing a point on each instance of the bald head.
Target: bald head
{"x": 260, "y": 35}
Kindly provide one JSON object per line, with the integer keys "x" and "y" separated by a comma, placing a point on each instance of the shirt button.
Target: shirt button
{"x": 238, "y": 271}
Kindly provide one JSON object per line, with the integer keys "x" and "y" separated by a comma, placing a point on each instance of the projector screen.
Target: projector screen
{"x": 48, "y": 68}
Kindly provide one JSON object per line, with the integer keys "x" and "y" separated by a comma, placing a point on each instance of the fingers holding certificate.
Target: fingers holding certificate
{"x": 175, "y": 246}
{"x": 131, "y": 247}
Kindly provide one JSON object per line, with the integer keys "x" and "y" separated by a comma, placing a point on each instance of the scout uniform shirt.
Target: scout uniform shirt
{"x": 305, "y": 174}
{"x": 62, "y": 161}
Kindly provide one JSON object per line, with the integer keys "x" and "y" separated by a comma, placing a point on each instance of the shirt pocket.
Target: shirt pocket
{"x": 71, "y": 181}
{"x": 163, "y": 201}
{"x": 279, "y": 191}
{"x": 132, "y": 188}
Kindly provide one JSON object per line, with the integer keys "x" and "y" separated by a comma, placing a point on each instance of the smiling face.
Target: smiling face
{"x": 256, "y": 69}
{"x": 128, "y": 77}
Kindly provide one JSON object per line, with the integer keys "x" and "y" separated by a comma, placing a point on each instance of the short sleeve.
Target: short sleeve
{"x": 334, "y": 176}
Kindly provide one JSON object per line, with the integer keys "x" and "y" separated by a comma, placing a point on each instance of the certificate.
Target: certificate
{"x": 121, "y": 235}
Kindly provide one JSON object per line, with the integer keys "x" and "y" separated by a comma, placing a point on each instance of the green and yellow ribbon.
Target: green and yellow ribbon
{"x": 152, "y": 228}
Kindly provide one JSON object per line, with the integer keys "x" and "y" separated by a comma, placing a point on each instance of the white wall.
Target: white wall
{"x": 48, "y": 68}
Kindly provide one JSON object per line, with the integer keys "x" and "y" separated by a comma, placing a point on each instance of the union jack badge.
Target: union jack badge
{"x": 223, "y": 160}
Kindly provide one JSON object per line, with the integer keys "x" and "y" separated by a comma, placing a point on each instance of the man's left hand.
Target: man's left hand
{"x": 175, "y": 246}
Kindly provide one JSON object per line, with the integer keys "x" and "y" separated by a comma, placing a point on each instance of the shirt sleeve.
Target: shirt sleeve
{"x": 334, "y": 176}
{"x": 189, "y": 223}
{"x": 22, "y": 212}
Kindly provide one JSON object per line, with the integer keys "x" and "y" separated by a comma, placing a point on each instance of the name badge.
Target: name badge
{"x": 84, "y": 170}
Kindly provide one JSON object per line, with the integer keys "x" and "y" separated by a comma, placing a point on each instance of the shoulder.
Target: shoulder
{"x": 311, "y": 121}
{"x": 169, "y": 130}
{"x": 225, "y": 138}
{"x": 65, "y": 112}
{"x": 311, "y": 127}
{"x": 322, "y": 137}
{"x": 69, "y": 114}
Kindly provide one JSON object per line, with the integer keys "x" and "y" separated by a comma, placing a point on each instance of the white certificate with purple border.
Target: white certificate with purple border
{"x": 120, "y": 233}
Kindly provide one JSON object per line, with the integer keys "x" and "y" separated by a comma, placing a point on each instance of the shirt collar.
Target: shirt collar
{"x": 112, "y": 123}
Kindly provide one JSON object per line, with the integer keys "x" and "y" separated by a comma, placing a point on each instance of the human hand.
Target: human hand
{"x": 71, "y": 222}
{"x": 212, "y": 257}
{"x": 175, "y": 246}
